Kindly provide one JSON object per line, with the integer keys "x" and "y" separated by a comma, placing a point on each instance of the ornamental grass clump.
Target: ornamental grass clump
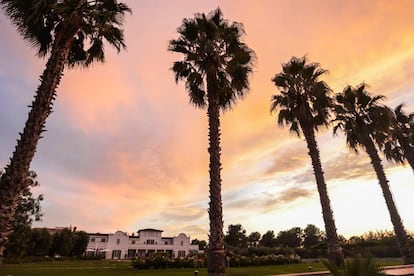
{"x": 355, "y": 267}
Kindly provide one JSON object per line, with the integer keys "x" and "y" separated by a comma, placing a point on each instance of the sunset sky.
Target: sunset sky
{"x": 125, "y": 150}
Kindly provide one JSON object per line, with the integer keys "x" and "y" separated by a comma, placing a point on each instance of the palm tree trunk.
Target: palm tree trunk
{"x": 335, "y": 254}
{"x": 12, "y": 183}
{"x": 403, "y": 242}
{"x": 216, "y": 258}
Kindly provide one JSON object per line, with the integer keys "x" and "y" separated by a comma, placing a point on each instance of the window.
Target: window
{"x": 181, "y": 254}
{"x": 133, "y": 242}
{"x": 103, "y": 240}
{"x": 116, "y": 254}
{"x": 131, "y": 253}
{"x": 92, "y": 239}
{"x": 182, "y": 243}
{"x": 118, "y": 241}
{"x": 150, "y": 242}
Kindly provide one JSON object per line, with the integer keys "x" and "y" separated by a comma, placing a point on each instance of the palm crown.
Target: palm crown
{"x": 405, "y": 121}
{"x": 85, "y": 23}
{"x": 304, "y": 100}
{"x": 361, "y": 116}
{"x": 212, "y": 46}
{"x": 400, "y": 144}
{"x": 403, "y": 127}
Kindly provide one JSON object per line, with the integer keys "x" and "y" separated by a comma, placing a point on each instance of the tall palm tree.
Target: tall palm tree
{"x": 366, "y": 124}
{"x": 304, "y": 102}
{"x": 400, "y": 144}
{"x": 215, "y": 67}
{"x": 70, "y": 32}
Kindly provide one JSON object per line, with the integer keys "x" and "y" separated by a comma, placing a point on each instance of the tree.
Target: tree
{"x": 28, "y": 209}
{"x": 80, "y": 242}
{"x": 312, "y": 236}
{"x": 62, "y": 242}
{"x": 201, "y": 244}
{"x": 291, "y": 238}
{"x": 268, "y": 239}
{"x": 215, "y": 68}
{"x": 304, "y": 103}
{"x": 400, "y": 144}
{"x": 62, "y": 29}
{"x": 40, "y": 242}
{"x": 366, "y": 124}
{"x": 254, "y": 238}
{"x": 236, "y": 236}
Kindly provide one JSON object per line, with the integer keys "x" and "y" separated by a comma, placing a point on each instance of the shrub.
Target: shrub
{"x": 160, "y": 261}
{"x": 272, "y": 259}
{"x": 357, "y": 266}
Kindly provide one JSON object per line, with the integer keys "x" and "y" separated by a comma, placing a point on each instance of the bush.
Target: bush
{"x": 272, "y": 259}
{"x": 160, "y": 261}
{"x": 357, "y": 266}
{"x": 265, "y": 251}
{"x": 27, "y": 259}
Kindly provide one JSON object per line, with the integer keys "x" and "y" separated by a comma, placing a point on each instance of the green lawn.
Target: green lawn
{"x": 103, "y": 268}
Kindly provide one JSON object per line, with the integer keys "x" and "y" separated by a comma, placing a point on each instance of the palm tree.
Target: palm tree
{"x": 71, "y": 32}
{"x": 304, "y": 104}
{"x": 400, "y": 144}
{"x": 366, "y": 124}
{"x": 216, "y": 66}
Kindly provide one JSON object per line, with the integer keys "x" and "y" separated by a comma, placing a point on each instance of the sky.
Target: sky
{"x": 125, "y": 149}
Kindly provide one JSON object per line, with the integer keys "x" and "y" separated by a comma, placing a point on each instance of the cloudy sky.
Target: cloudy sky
{"x": 125, "y": 150}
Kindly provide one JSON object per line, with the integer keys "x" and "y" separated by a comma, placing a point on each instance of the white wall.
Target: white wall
{"x": 121, "y": 241}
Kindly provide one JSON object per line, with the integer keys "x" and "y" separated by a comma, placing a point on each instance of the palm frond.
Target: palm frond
{"x": 302, "y": 94}
{"x": 46, "y": 22}
{"x": 361, "y": 115}
{"x": 211, "y": 45}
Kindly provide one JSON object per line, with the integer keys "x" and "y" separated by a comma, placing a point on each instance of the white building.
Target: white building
{"x": 122, "y": 246}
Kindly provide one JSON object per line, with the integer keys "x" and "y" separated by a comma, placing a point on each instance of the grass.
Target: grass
{"x": 124, "y": 268}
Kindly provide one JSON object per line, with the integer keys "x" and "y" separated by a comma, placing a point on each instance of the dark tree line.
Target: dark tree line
{"x": 38, "y": 242}
{"x": 296, "y": 237}
{"x": 308, "y": 242}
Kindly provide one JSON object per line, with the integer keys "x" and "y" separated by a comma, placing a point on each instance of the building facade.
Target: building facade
{"x": 120, "y": 245}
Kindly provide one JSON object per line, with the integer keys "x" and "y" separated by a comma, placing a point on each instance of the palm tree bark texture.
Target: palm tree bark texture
{"x": 216, "y": 252}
